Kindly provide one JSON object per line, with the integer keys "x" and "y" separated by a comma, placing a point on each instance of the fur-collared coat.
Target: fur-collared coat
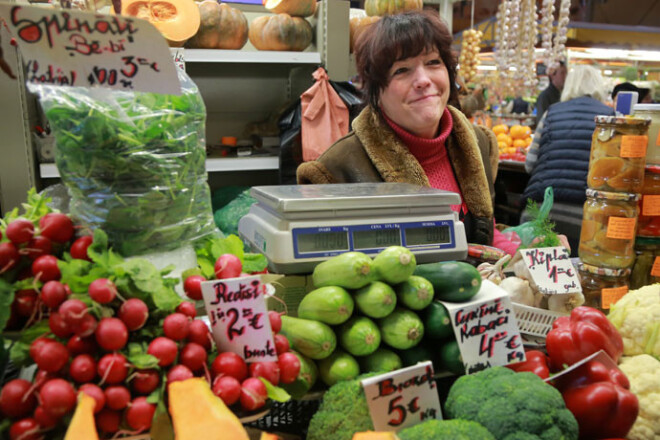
{"x": 372, "y": 152}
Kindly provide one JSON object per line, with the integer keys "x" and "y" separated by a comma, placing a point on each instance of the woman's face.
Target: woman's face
{"x": 417, "y": 93}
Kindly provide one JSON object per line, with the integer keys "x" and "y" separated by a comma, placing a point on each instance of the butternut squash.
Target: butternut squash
{"x": 221, "y": 27}
{"x": 357, "y": 26}
{"x": 391, "y": 7}
{"x": 375, "y": 435}
{"x": 280, "y": 32}
{"x": 197, "y": 413}
{"x": 295, "y": 8}
{"x": 269, "y": 436}
{"x": 177, "y": 20}
{"x": 82, "y": 424}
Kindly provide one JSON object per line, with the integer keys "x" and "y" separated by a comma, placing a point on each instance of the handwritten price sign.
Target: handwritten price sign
{"x": 552, "y": 270}
{"x": 236, "y": 308}
{"x": 403, "y": 397}
{"x": 76, "y": 48}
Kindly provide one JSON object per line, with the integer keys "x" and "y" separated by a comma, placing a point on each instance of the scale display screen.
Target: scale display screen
{"x": 323, "y": 241}
{"x": 376, "y": 238}
{"x": 427, "y": 235}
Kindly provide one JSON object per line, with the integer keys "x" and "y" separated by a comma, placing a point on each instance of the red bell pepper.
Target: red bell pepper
{"x": 537, "y": 363}
{"x": 581, "y": 334}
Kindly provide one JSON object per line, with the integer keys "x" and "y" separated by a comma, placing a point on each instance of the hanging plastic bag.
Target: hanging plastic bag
{"x": 537, "y": 232}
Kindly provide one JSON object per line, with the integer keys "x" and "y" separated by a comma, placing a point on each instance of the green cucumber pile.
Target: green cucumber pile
{"x": 377, "y": 315}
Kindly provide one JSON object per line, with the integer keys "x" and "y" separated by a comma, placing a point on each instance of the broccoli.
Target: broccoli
{"x": 512, "y": 406}
{"x": 446, "y": 430}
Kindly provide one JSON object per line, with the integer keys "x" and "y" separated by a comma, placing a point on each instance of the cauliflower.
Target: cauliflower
{"x": 637, "y": 317}
{"x": 643, "y": 372}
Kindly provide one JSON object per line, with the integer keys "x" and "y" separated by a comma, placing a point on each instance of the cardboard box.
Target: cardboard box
{"x": 289, "y": 291}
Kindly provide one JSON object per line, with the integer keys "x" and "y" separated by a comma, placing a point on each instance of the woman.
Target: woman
{"x": 408, "y": 132}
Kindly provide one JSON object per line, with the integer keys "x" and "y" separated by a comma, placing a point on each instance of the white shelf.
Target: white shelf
{"x": 245, "y": 56}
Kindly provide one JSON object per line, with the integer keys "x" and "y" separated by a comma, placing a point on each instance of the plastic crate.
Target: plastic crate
{"x": 290, "y": 417}
{"x": 534, "y": 321}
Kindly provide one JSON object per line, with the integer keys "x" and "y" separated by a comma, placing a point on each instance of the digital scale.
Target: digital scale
{"x": 298, "y": 226}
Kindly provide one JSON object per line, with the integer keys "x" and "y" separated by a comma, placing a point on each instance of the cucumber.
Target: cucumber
{"x": 437, "y": 322}
{"x": 402, "y": 329}
{"x": 338, "y": 366}
{"x": 377, "y": 300}
{"x": 381, "y": 360}
{"x": 449, "y": 358}
{"x": 359, "y": 336}
{"x": 330, "y": 305}
{"x": 453, "y": 281}
{"x": 419, "y": 353}
{"x": 350, "y": 270}
{"x": 415, "y": 293}
{"x": 395, "y": 264}
{"x": 306, "y": 379}
{"x": 311, "y": 338}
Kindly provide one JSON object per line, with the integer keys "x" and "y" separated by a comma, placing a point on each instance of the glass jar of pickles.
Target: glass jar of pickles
{"x": 647, "y": 263}
{"x": 648, "y": 224}
{"x": 618, "y": 154}
{"x": 608, "y": 229}
{"x": 602, "y": 287}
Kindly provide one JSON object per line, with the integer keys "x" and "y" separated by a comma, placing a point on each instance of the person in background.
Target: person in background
{"x": 517, "y": 106}
{"x": 552, "y": 93}
{"x": 408, "y": 132}
{"x": 643, "y": 94}
{"x": 559, "y": 153}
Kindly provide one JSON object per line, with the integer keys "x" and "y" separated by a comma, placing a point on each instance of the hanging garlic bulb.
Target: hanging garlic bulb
{"x": 469, "y": 59}
{"x": 547, "y": 17}
{"x": 559, "y": 49}
{"x": 528, "y": 64}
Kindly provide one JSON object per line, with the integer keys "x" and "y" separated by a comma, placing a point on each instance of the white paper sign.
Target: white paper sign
{"x": 552, "y": 270}
{"x": 236, "y": 308}
{"x": 179, "y": 57}
{"x": 486, "y": 329}
{"x": 76, "y": 48}
{"x": 402, "y": 398}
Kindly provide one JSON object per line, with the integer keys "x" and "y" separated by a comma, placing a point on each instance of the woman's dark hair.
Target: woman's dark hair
{"x": 397, "y": 37}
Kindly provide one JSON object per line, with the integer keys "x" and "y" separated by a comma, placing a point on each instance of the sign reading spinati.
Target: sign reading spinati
{"x": 236, "y": 308}
{"x": 86, "y": 49}
{"x": 486, "y": 329}
{"x": 552, "y": 270}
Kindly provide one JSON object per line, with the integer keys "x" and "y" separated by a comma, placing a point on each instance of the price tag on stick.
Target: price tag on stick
{"x": 552, "y": 270}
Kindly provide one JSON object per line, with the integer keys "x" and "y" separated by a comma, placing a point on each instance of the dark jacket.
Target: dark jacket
{"x": 372, "y": 152}
{"x": 546, "y": 98}
{"x": 563, "y": 157}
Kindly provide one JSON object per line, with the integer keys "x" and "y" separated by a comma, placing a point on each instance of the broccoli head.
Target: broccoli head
{"x": 446, "y": 430}
{"x": 512, "y": 406}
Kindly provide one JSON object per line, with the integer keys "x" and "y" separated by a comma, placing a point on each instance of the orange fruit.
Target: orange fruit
{"x": 519, "y": 131}
{"x": 528, "y": 141}
{"x": 502, "y": 145}
{"x": 519, "y": 143}
{"x": 503, "y": 137}
{"x": 500, "y": 128}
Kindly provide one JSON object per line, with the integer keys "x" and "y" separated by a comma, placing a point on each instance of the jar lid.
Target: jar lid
{"x": 623, "y": 120}
{"x": 604, "y": 271}
{"x": 626, "y": 197}
{"x": 647, "y": 241}
{"x": 646, "y": 107}
{"x": 655, "y": 169}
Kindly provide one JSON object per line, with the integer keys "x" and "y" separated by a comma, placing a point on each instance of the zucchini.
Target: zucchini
{"x": 437, "y": 322}
{"x": 419, "y": 353}
{"x": 311, "y": 338}
{"x": 377, "y": 300}
{"x": 381, "y": 360}
{"x": 306, "y": 379}
{"x": 449, "y": 358}
{"x": 350, "y": 270}
{"x": 395, "y": 264}
{"x": 453, "y": 281}
{"x": 402, "y": 329}
{"x": 359, "y": 336}
{"x": 338, "y": 366}
{"x": 415, "y": 293}
{"x": 330, "y": 305}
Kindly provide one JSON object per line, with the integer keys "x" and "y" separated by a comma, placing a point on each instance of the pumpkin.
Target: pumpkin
{"x": 280, "y": 32}
{"x": 358, "y": 25}
{"x": 177, "y": 20}
{"x": 82, "y": 424}
{"x": 295, "y": 8}
{"x": 221, "y": 27}
{"x": 197, "y": 413}
{"x": 390, "y": 7}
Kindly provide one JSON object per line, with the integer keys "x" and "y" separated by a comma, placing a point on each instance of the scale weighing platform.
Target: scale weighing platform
{"x": 298, "y": 226}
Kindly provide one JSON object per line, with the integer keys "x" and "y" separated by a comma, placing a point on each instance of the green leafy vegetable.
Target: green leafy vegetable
{"x": 20, "y": 351}
{"x": 209, "y": 249}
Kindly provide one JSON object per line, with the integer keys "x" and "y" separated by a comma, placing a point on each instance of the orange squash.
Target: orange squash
{"x": 222, "y": 27}
{"x": 280, "y": 32}
{"x": 269, "y": 436}
{"x": 375, "y": 435}
{"x": 82, "y": 424}
{"x": 177, "y": 20}
{"x": 391, "y": 7}
{"x": 358, "y": 25}
{"x": 295, "y": 8}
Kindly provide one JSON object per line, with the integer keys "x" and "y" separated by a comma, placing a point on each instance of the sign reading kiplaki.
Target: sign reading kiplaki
{"x": 552, "y": 270}
{"x": 486, "y": 329}
{"x": 236, "y": 308}
{"x": 77, "y": 48}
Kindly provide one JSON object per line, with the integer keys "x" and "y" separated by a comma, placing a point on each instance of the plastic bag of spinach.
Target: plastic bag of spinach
{"x": 134, "y": 163}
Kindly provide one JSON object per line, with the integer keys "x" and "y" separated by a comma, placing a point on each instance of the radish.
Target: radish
{"x": 25, "y": 429}
{"x": 281, "y": 344}
{"x": 134, "y": 313}
{"x": 79, "y": 247}
{"x": 145, "y": 381}
{"x": 44, "y": 419}
{"x": 37, "y": 247}
{"x": 36, "y": 345}
{"x": 139, "y": 414}
{"x": 177, "y": 373}
{"x": 57, "y": 227}
{"x": 199, "y": 333}
{"x": 193, "y": 356}
{"x": 111, "y": 334}
{"x": 52, "y": 356}
{"x": 175, "y": 326}
{"x": 268, "y": 370}
{"x": 58, "y": 326}
{"x": 96, "y": 393}
{"x": 289, "y": 367}
{"x": 26, "y": 302}
{"x": 79, "y": 345}
{"x": 108, "y": 420}
{"x": 117, "y": 397}
{"x": 57, "y": 397}
{"x": 102, "y": 290}
{"x": 187, "y": 308}
{"x": 16, "y": 400}
{"x": 112, "y": 368}
{"x": 228, "y": 266}
{"x": 8, "y": 256}
{"x": 227, "y": 388}
{"x": 19, "y": 231}
{"x": 275, "y": 319}
{"x": 45, "y": 268}
{"x": 82, "y": 368}
{"x": 229, "y": 364}
{"x": 73, "y": 311}
{"x": 53, "y": 293}
{"x": 164, "y": 349}
{"x": 42, "y": 377}
{"x": 192, "y": 287}
{"x": 253, "y": 394}
{"x": 86, "y": 327}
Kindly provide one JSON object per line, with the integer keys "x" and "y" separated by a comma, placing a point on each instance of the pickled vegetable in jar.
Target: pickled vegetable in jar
{"x": 618, "y": 154}
{"x": 647, "y": 263}
{"x": 648, "y": 224}
{"x": 603, "y": 287}
{"x": 607, "y": 237}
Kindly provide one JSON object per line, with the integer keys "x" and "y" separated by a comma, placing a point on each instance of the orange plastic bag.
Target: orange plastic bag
{"x": 324, "y": 117}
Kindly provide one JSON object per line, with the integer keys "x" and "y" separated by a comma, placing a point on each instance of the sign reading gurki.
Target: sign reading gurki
{"x": 552, "y": 270}
{"x": 85, "y": 49}
{"x": 236, "y": 308}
